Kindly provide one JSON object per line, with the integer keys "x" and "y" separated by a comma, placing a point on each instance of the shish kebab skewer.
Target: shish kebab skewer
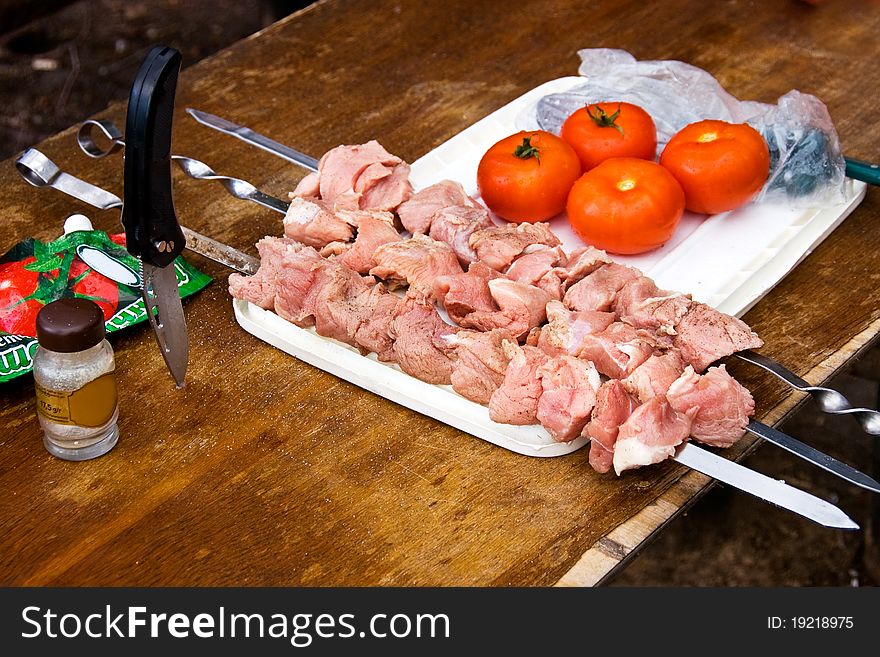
{"x": 40, "y": 171}
{"x": 829, "y": 400}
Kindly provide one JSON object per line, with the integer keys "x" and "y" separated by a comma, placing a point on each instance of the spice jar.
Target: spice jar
{"x": 74, "y": 374}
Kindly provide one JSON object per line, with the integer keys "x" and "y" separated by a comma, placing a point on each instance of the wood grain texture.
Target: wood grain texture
{"x": 265, "y": 470}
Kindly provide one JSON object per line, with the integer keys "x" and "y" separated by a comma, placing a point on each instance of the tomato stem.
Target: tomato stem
{"x": 603, "y": 120}
{"x": 525, "y": 150}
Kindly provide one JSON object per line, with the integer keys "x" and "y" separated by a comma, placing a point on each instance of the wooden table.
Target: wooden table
{"x": 265, "y": 470}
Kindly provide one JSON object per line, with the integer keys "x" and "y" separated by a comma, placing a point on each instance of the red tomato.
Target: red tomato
{"x": 18, "y": 312}
{"x": 84, "y": 282}
{"x": 605, "y": 130}
{"x": 626, "y": 205}
{"x": 720, "y": 165}
{"x": 527, "y": 176}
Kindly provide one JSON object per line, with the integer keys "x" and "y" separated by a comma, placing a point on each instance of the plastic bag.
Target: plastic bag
{"x": 34, "y": 273}
{"x": 806, "y": 165}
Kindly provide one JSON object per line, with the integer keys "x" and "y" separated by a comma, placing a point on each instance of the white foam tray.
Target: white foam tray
{"x": 728, "y": 261}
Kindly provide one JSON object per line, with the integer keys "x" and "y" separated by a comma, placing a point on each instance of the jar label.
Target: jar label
{"x": 90, "y": 406}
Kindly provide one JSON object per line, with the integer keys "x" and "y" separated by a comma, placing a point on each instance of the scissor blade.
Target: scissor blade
{"x": 165, "y": 312}
{"x": 763, "y": 487}
{"x": 254, "y": 139}
{"x": 814, "y": 456}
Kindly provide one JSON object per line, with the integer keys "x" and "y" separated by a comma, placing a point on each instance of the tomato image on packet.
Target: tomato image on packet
{"x": 34, "y": 273}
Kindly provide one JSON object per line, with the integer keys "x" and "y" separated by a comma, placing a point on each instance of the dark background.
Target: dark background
{"x": 60, "y": 62}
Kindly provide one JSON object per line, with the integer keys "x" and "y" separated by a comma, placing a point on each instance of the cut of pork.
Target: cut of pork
{"x": 613, "y": 406}
{"x": 654, "y": 376}
{"x": 721, "y": 404}
{"x": 260, "y": 288}
{"x": 454, "y": 225}
{"x": 580, "y": 263}
{"x": 386, "y": 192}
{"x": 313, "y": 222}
{"x": 498, "y": 246}
{"x": 566, "y": 329}
{"x": 521, "y": 308}
{"x": 462, "y": 294}
{"x": 419, "y": 335}
{"x": 597, "y": 290}
{"x": 295, "y": 278}
{"x": 618, "y": 350}
{"x": 416, "y": 213}
{"x": 480, "y": 362}
{"x": 650, "y": 435}
{"x": 569, "y": 387}
{"x": 373, "y": 230}
{"x": 642, "y": 304}
{"x": 418, "y": 262}
{"x": 516, "y": 400}
{"x": 704, "y": 335}
{"x": 539, "y": 268}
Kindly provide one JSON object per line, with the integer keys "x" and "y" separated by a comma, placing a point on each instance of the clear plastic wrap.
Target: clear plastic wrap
{"x": 806, "y": 164}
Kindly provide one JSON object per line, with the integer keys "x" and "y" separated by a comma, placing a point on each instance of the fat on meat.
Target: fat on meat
{"x": 479, "y": 362}
{"x": 654, "y": 376}
{"x": 566, "y": 330}
{"x": 597, "y": 290}
{"x": 260, "y": 288}
{"x": 650, "y": 435}
{"x": 418, "y": 262}
{"x": 497, "y": 247}
{"x": 516, "y": 400}
{"x": 704, "y": 335}
{"x": 569, "y": 386}
{"x": 313, "y": 222}
{"x": 722, "y": 406}
{"x": 618, "y": 350}
{"x": 613, "y": 406}
{"x": 465, "y": 293}
{"x": 521, "y": 307}
{"x": 642, "y": 304}
{"x": 417, "y": 213}
{"x": 420, "y": 338}
{"x": 455, "y": 224}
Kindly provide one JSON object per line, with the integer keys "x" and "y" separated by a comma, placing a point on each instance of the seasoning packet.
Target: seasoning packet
{"x": 34, "y": 273}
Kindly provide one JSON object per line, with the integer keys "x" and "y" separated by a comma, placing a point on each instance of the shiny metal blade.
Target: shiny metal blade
{"x": 763, "y": 487}
{"x": 237, "y": 187}
{"x": 814, "y": 456}
{"x": 254, "y": 139}
{"x": 219, "y": 252}
{"x": 40, "y": 171}
{"x": 165, "y": 312}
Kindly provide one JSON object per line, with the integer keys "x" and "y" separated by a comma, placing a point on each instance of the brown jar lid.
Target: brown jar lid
{"x": 70, "y": 325}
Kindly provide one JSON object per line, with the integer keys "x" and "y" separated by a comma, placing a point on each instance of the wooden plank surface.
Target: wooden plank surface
{"x": 267, "y": 471}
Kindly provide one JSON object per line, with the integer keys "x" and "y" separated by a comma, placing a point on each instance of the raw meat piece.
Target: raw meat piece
{"x": 376, "y": 307}
{"x": 521, "y": 308}
{"x": 462, "y": 294}
{"x": 418, "y": 261}
{"x": 387, "y": 192}
{"x": 722, "y": 405}
{"x": 308, "y": 186}
{"x": 618, "y": 350}
{"x": 295, "y": 278}
{"x": 704, "y": 335}
{"x": 566, "y": 329}
{"x": 455, "y": 225}
{"x": 597, "y": 291}
{"x": 374, "y": 230}
{"x": 497, "y": 247}
{"x": 516, "y": 401}
{"x": 654, "y": 376}
{"x": 538, "y": 268}
{"x": 260, "y": 288}
{"x": 642, "y": 304}
{"x": 569, "y": 394}
{"x": 580, "y": 263}
{"x": 480, "y": 362}
{"x": 613, "y": 405}
{"x": 417, "y": 331}
{"x": 650, "y": 435}
{"x": 416, "y": 213}
{"x": 332, "y": 301}
{"x": 312, "y": 222}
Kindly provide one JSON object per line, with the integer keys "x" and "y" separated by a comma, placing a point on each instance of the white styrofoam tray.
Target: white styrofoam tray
{"x": 728, "y": 261}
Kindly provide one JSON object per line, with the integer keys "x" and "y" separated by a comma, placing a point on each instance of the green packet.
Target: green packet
{"x": 34, "y": 273}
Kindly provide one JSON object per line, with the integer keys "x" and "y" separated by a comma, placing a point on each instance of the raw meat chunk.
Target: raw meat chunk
{"x": 704, "y": 335}
{"x": 569, "y": 394}
{"x": 455, "y": 225}
{"x": 597, "y": 290}
{"x": 416, "y": 213}
{"x": 566, "y": 329}
{"x": 613, "y": 406}
{"x": 497, "y": 247}
{"x": 480, "y": 362}
{"x": 418, "y": 261}
{"x": 654, "y": 376}
{"x": 516, "y": 401}
{"x": 650, "y": 435}
{"x": 417, "y": 330}
{"x": 312, "y": 222}
{"x": 642, "y": 304}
